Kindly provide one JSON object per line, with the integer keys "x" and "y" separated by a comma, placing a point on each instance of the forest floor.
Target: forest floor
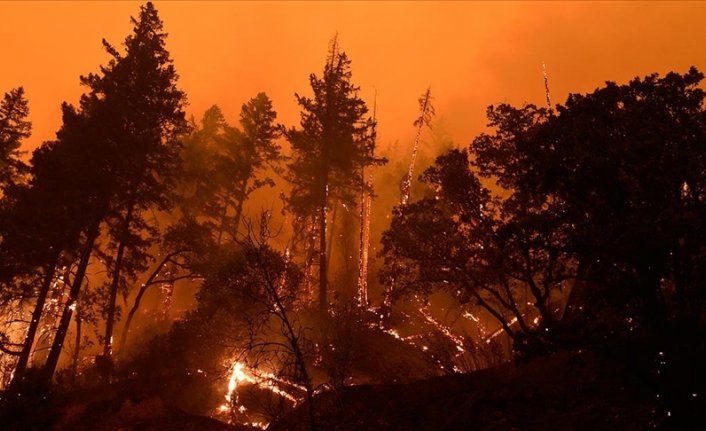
{"x": 561, "y": 392}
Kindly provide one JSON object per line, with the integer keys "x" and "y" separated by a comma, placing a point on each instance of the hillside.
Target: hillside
{"x": 563, "y": 392}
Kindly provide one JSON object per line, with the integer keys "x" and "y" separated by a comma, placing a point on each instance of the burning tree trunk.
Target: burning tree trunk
{"x": 323, "y": 268}
{"x": 332, "y": 230}
{"x": 24, "y": 355}
{"x": 365, "y": 204}
{"x": 426, "y": 113}
{"x": 546, "y": 85}
{"x": 77, "y": 348}
{"x": 310, "y": 252}
{"x": 58, "y": 343}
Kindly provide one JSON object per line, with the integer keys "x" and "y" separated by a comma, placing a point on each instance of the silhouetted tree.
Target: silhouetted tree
{"x": 451, "y": 241}
{"x": 329, "y": 150}
{"x": 134, "y": 115}
{"x": 207, "y": 179}
{"x": 146, "y": 109}
{"x": 14, "y": 127}
{"x": 619, "y": 173}
{"x": 601, "y": 222}
{"x": 185, "y": 252}
{"x": 53, "y": 219}
{"x": 257, "y": 149}
{"x": 221, "y": 167}
{"x": 223, "y": 164}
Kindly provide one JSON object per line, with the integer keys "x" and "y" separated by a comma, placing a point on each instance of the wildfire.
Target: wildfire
{"x": 426, "y": 111}
{"x": 242, "y": 374}
{"x": 366, "y": 204}
{"x": 237, "y": 375}
{"x": 500, "y": 331}
{"x": 546, "y": 85}
{"x": 457, "y": 340}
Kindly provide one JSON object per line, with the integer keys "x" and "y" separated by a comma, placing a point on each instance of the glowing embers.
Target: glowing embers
{"x": 500, "y": 331}
{"x": 365, "y": 208}
{"x": 444, "y": 330}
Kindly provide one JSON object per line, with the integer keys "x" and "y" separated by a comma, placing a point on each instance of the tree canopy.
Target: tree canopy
{"x": 597, "y": 211}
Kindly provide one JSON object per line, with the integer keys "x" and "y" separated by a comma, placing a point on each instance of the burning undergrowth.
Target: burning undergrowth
{"x": 251, "y": 351}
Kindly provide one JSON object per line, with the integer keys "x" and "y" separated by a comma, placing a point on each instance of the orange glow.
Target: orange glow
{"x": 472, "y": 54}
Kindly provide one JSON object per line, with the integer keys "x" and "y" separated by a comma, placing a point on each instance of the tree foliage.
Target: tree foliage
{"x": 224, "y": 165}
{"x": 599, "y": 212}
{"x": 14, "y": 127}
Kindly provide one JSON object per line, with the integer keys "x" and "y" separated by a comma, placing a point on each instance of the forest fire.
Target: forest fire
{"x": 240, "y": 376}
{"x": 304, "y": 260}
{"x": 240, "y": 373}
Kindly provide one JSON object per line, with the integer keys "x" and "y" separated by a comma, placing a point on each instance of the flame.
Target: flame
{"x": 242, "y": 374}
{"x": 237, "y": 375}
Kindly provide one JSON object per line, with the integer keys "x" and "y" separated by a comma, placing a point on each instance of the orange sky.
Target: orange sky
{"x": 472, "y": 54}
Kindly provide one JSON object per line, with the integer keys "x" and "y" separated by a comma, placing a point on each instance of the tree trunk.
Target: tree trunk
{"x": 77, "y": 349}
{"x": 58, "y": 343}
{"x": 221, "y": 228}
{"x": 323, "y": 264}
{"x": 239, "y": 206}
{"x": 114, "y": 285}
{"x": 138, "y": 298}
{"x": 23, "y": 359}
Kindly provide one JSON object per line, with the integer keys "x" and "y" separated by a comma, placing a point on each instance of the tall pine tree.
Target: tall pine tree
{"x": 329, "y": 150}
{"x": 134, "y": 113}
{"x": 14, "y": 127}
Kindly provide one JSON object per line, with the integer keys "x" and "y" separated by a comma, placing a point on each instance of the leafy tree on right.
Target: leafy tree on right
{"x": 598, "y": 217}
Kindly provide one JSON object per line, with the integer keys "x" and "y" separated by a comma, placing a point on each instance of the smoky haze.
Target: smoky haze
{"x": 472, "y": 54}
{"x": 264, "y": 238}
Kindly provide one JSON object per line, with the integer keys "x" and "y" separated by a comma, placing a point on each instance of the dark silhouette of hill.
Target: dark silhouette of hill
{"x": 562, "y": 392}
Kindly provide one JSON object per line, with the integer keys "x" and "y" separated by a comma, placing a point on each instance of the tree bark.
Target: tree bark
{"x": 58, "y": 343}
{"x": 23, "y": 359}
{"x": 239, "y": 206}
{"x": 77, "y": 348}
{"x": 138, "y": 298}
{"x": 115, "y": 283}
{"x": 323, "y": 264}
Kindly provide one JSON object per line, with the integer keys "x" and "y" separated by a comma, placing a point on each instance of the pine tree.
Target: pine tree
{"x": 14, "y": 127}
{"x": 134, "y": 115}
{"x": 257, "y": 148}
{"x": 224, "y": 165}
{"x": 52, "y": 219}
{"x": 330, "y": 149}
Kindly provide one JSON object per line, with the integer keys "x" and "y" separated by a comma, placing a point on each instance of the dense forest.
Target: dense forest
{"x": 165, "y": 272}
